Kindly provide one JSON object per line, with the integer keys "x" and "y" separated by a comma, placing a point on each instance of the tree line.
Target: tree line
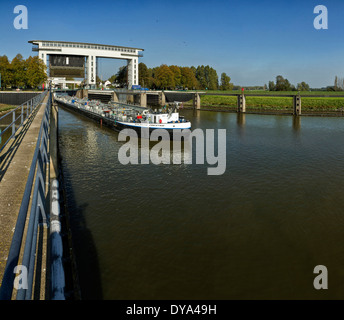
{"x": 338, "y": 84}
{"x": 20, "y": 73}
{"x": 176, "y": 77}
{"x": 32, "y": 73}
{"x": 283, "y": 84}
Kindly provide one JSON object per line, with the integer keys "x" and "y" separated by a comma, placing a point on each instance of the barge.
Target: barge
{"x": 121, "y": 116}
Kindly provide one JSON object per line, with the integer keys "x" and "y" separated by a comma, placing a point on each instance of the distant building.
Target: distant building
{"x": 61, "y": 82}
{"x": 78, "y": 60}
{"x": 107, "y": 83}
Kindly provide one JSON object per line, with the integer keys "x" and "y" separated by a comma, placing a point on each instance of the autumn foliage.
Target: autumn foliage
{"x": 20, "y": 73}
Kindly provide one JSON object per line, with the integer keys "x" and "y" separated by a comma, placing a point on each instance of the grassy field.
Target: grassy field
{"x": 267, "y": 102}
{"x": 269, "y": 93}
{"x": 5, "y": 107}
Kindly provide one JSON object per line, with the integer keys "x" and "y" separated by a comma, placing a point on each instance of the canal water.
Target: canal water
{"x": 174, "y": 232}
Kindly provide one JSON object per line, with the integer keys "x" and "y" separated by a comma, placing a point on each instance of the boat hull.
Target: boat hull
{"x": 142, "y": 130}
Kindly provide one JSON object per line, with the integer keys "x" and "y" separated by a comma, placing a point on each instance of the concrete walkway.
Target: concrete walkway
{"x": 15, "y": 162}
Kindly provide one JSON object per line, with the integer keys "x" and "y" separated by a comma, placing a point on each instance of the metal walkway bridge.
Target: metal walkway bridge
{"x": 31, "y": 249}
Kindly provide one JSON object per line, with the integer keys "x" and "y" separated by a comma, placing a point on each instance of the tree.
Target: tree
{"x": 151, "y": 78}
{"x": 200, "y": 76}
{"x": 98, "y": 80}
{"x": 225, "y": 82}
{"x": 122, "y": 76}
{"x": 207, "y": 77}
{"x": 211, "y": 78}
{"x": 272, "y": 86}
{"x": 164, "y": 77}
{"x": 341, "y": 84}
{"x": 188, "y": 79}
{"x": 35, "y": 71}
{"x": 177, "y": 74}
{"x": 113, "y": 78}
{"x": 338, "y": 84}
{"x": 303, "y": 86}
{"x": 6, "y": 72}
{"x": 143, "y": 75}
{"x": 283, "y": 84}
{"x": 19, "y": 67}
{"x": 335, "y": 83}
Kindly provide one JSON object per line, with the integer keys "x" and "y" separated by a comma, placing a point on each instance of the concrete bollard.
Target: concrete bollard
{"x": 197, "y": 101}
{"x": 162, "y": 98}
{"x": 241, "y": 103}
{"x": 297, "y": 105}
{"x": 114, "y": 97}
{"x": 143, "y": 99}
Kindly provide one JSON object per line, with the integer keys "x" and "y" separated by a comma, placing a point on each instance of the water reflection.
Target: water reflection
{"x": 157, "y": 149}
{"x": 174, "y": 232}
{"x": 241, "y": 119}
{"x": 296, "y": 123}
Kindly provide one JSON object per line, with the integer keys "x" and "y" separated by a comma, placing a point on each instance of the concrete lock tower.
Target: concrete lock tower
{"x": 78, "y": 60}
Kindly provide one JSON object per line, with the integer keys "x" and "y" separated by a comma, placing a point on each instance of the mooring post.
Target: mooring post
{"x": 297, "y": 105}
{"x": 114, "y": 97}
{"x": 196, "y": 101}
{"x": 241, "y": 103}
{"x": 162, "y": 98}
{"x": 143, "y": 99}
{"x": 130, "y": 98}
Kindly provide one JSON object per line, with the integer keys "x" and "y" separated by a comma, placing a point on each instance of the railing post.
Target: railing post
{"x": 14, "y": 124}
{"x": 22, "y": 114}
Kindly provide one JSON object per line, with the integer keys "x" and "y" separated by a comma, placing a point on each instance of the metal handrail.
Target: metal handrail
{"x": 30, "y": 108}
{"x": 38, "y": 206}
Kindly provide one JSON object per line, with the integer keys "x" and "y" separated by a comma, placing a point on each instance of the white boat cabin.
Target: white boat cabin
{"x": 162, "y": 117}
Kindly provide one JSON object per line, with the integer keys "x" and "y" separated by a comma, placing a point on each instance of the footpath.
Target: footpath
{"x": 15, "y": 162}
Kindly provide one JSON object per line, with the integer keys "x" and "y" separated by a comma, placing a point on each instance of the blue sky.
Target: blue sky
{"x": 252, "y": 41}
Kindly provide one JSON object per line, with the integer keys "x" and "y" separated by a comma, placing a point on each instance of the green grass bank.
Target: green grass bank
{"x": 4, "y": 108}
{"x": 267, "y": 102}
